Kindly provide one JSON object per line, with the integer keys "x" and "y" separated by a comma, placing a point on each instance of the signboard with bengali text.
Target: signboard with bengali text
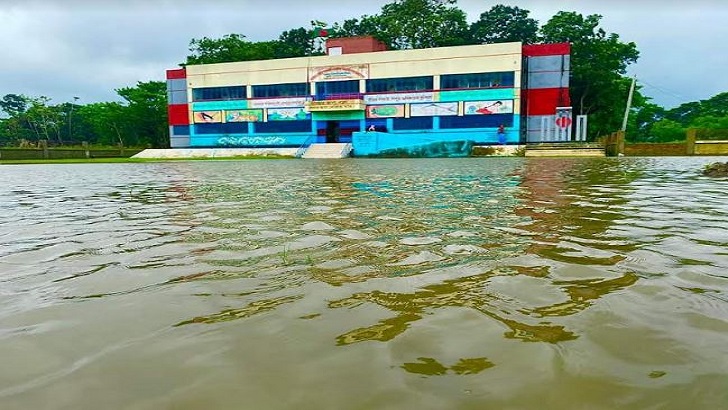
{"x": 399, "y": 98}
{"x": 277, "y": 102}
{"x": 335, "y": 105}
{"x": 339, "y": 72}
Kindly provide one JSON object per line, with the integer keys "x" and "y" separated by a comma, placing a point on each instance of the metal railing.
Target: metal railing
{"x": 302, "y": 149}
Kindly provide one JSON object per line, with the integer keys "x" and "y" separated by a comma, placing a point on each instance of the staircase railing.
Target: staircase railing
{"x": 302, "y": 149}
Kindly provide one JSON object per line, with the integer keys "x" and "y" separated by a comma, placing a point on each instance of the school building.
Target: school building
{"x": 375, "y": 99}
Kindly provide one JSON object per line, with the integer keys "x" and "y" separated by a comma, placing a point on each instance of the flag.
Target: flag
{"x": 321, "y": 32}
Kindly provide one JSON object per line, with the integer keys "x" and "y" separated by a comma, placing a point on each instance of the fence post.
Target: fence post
{"x": 690, "y": 137}
{"x": 85, "y": 149}
{"x": 620, "y": 142}
{"x": 44, "y": 147}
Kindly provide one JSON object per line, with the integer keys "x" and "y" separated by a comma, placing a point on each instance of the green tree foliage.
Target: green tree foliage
{"x": 422, "y": 24}
{"x": 599, "y": 62}
{"x": 229, "y": 48}
{"x": 146, "y": 109}
{"x": 690, "y": 113}
{"x": 503, "y": 24}
{"x": 140, "y": 120}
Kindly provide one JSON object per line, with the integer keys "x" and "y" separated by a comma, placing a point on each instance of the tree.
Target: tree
{"x": 688, "y": 113}
{"x": 146, "y": 109}
{"x": 405, "y": 24}
{"x": 230, "y": 48}
{"x": 598, "y": 63}
{"x": 642, "y": 117}
{"x": 14, "y": 104}
{"x": 107, "y": 123}
{"x": 503, "y": 24}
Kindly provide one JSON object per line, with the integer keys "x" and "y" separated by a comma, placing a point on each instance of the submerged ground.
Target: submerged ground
{"x": 364, "y": 284}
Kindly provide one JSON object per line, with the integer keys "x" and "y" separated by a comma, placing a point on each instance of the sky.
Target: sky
{"x": 88, "y": 48}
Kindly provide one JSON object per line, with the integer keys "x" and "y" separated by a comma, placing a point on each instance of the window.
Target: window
{"x": 415, "y": 123}
{"x": 282, "y": 126}
{"x": 280, "y": 90}
{"x": 333, "y": 89}
{"x": 399, "y": 84}
{"x": 480, "y": 80}
{"x": 227, "y": 128}
{"x": 218, "y": 93}
{"x": 180, "y": 130}
{"x": 477, "y": 121}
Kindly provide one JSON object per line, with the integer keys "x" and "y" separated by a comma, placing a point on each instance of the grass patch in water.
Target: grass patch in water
{"x": 133, "y": 160}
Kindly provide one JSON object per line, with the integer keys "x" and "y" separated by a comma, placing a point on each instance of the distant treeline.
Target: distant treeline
{"x": 598, "y": 83}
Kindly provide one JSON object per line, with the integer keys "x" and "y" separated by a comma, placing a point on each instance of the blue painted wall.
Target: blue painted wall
{"x": 255, "y": 140}
{"x": 373, "y": 143}
{"x": 475, "y": 95}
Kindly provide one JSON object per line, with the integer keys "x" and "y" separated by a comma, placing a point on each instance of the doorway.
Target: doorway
{"x": 333, "y": 130}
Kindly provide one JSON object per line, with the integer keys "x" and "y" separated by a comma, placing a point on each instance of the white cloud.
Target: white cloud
{"x": 88, "y": 48}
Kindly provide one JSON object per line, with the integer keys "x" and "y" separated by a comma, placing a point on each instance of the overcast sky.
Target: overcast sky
{"x": 87, "y": 48}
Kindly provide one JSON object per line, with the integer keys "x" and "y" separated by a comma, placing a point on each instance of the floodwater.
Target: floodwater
{"x": 494, "y": 283}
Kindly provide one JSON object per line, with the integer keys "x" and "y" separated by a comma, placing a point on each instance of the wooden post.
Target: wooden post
{"x": 44, "y": 147}
{"x": 85, "y": 149}
{"x": 690, "y": 137}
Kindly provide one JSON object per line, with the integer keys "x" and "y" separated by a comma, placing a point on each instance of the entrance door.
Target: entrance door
{"x": 332, "y": 131}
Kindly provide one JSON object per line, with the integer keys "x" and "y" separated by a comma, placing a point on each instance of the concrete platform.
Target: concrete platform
{"x": 182, "y": 153}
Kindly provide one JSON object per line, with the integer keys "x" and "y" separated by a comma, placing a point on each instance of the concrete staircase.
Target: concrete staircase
{"x": 327, "y": 151}
{"x": 565, "y": 149}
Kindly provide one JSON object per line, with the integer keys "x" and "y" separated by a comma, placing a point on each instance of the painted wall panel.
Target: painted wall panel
{"x": 179, "y": 84}
{"x": 549, "y": 63}
{"x": 338, "y": 116}
{"x": 548, "y": 79}
{"x": 177, "y": 97}
{"x": 176, "y": 73}
{"x": 179, "y": 142}
{"x": 546, "y": 49}
{"x": 375, "y": 142}
{"x": 219, "y": 140}
{"x": 178, "y": 114}
{"x": 220, "y": 105}
{"x": 545, "y": 100}
{"x": 485, "y": 94}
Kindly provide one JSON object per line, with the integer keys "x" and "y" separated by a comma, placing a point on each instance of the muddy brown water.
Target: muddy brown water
{"x": 476, "y": 283}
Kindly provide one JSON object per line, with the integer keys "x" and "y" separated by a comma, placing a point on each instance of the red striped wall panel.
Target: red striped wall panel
{"x": 544, "y": 101}
{"x": 178, "y": 114}
{"x": 176, "y": 74}
{"x": 534, "y": 50}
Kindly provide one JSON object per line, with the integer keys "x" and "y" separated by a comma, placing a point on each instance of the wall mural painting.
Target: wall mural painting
{"x": 433, "y": 109}
{"x": 287, "y": 114}
{"x": 207, "y": 116}
{"x": 488, "y": 107}
{"x": 385, "y": 111}
{"x": 249, "y": 141}
{"x": 244, "y": 116}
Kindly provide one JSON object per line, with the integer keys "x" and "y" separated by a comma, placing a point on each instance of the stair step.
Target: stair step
{"x": 328, "y": 150}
